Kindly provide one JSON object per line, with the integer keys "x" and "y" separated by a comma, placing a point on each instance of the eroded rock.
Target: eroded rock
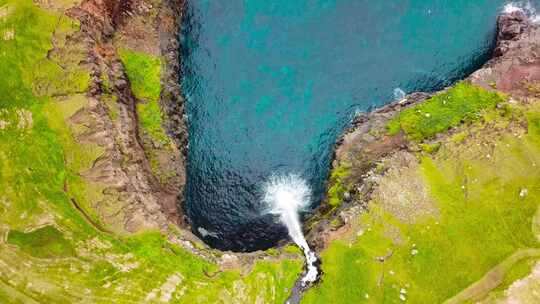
{"x": 510, "y": 27}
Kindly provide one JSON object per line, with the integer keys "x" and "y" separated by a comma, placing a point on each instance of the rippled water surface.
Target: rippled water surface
{"x": 271, "y": 84}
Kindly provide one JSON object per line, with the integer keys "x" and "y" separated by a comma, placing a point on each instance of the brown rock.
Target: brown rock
{"x": 510, "y": 27}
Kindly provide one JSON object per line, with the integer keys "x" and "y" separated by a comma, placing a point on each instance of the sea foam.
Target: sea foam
{"x": 526, "y": 7}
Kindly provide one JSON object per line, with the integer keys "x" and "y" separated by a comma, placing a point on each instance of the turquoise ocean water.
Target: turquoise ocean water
{"x": 270, "y": 85}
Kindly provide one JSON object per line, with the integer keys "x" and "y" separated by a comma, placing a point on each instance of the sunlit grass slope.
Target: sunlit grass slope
{"x": 49, "y": 252}
{"x": 484, "y": 185}
{"x": 144, "y": 72}
{"x": 461, "y": 103}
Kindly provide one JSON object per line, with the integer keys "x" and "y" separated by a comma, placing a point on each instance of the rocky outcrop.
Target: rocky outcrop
{"x": 134, "y": 198}
{"x": 172, "y": 101}
{"x": 516, "y": 63}
{"x": 510, "y": 27}
{"x": 360, "y": 147}
{"x": 514, "y": 69}
{"x": 133, "y": 194}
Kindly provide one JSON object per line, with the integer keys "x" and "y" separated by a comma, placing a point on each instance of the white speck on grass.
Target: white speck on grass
{"x": 9, "y": 35}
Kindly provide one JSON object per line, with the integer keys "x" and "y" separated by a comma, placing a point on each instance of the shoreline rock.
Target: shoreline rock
{"x": 509, "y": 28}
{"x": 172, "y": 101}
{"x": 515, "y": 61}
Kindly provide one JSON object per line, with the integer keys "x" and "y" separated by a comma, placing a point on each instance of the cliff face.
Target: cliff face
{"x": 430, "y": 198}
{"x": 135, "y": 197}
{"x": 92, "y": 167}
{"x": 128, "y": 110}
{"x": 513, "y": 69}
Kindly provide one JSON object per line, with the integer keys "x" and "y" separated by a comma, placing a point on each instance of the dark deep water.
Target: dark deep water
{"x": 270, "y": 85}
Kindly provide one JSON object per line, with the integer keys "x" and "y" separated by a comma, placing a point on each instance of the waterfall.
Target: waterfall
{"x": 286, "y": 196}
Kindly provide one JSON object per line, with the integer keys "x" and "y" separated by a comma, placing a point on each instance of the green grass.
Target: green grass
{"x": 338, "y": 185}
{"x": 40, "y": 172}
{"x": 533, "y": 124}
{"x": 482, "y": 220}
{"x": 272, "y": 251}
{"x": 430, "y": 148}
{"x": 461, "y": 103}
{"x": 44, "y": 242}
{"x": 267, "y": 280}
{"x": 32, "y": 162}
{"x": 517, "y": 272}
{"x": 151, "y": 121}
{"x": 292, "y": 249}
{"x": 144, "y": 72}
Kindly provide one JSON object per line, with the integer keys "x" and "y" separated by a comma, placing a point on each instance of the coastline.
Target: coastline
{"x": 377, "y": 172}
{"x": 145, "y": 176}
{"x": 358, "y": 138}
{"x": 172, "y": 101}
{"x": 367, "y": 134}
{"x": 94, "y": 157}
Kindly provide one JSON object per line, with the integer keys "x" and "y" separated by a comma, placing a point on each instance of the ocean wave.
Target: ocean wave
{"x": 526, "y": 7}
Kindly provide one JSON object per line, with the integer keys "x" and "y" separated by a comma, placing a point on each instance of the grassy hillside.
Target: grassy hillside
{"x": 441, "y": 219}
{"x": 51, "y": 252}
{"x": 456, "y": 220}
{"x": 461, "y": 103}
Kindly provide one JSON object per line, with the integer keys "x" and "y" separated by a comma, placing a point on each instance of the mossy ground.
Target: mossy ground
{"x": 45, "y": 242}
{"x": 49, "y": 251}
{"x": 485, "y": 184}
{"x": 483, "y": 181}
{"x": 461, "y": 103}
{"x": 144, "y": 72}
{"x": 338, "y": 185}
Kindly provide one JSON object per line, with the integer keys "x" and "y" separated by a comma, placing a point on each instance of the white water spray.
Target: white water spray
{"x": 526, "y": 7}
{"x": 399, "y": 94}
{"x": 286, "y": 196}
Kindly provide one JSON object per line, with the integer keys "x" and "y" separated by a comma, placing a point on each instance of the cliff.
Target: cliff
{"x": 434, "y": 198}
{"x": 92, "y": 164}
